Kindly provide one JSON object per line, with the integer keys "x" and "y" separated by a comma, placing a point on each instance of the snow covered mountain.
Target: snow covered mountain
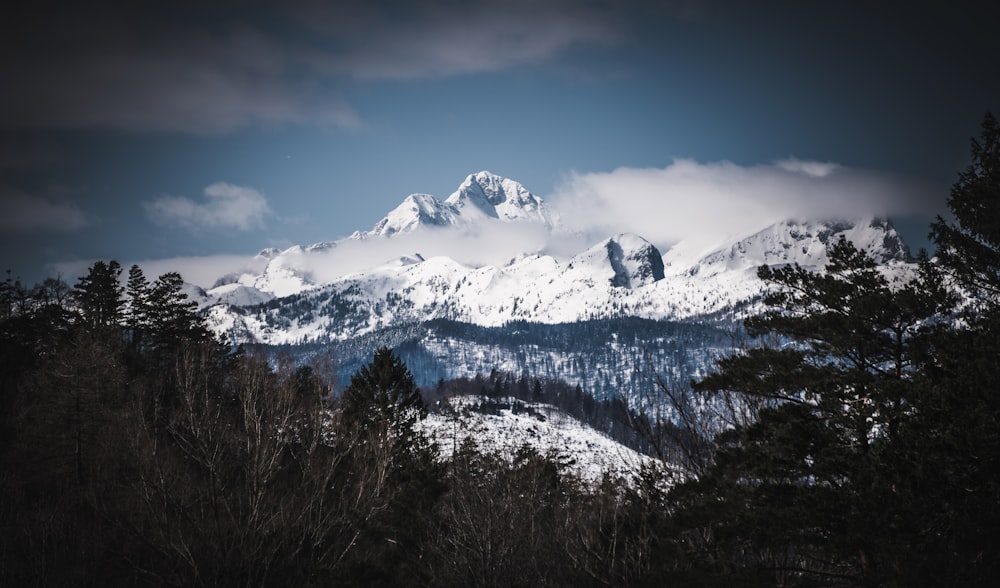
{"x": 301, "y": 297}
{"x": 622, "y": 276}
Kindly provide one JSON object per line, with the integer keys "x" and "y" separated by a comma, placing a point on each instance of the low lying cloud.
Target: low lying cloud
{"x": 707, "y": 202}
{"x": 487, "y": 243}
{"x": 699, "y": 204}
{"x": 27, "y": 212}
{"x": 200, "y": 270}
{"x": 226, "y": 206}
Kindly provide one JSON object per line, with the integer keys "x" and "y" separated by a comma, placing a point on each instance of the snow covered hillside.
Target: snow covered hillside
{"x": 537, "y": 425}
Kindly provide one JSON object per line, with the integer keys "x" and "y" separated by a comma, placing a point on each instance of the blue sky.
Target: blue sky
{"x": 163, "y": 130}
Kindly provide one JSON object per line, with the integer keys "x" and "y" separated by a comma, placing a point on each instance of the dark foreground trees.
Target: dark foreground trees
{"x": 872, "y": 459}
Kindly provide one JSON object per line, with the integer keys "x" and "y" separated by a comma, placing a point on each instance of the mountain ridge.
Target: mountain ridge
{"x": 293, "y": 299}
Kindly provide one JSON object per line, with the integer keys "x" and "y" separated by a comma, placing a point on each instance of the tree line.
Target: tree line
{"x": 139, "y": 450}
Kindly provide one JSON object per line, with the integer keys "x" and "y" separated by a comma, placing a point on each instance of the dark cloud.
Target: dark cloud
{"x": 215, "y": 67}
{"x": 209, "y": 67}
{"x": 21, "y": 212}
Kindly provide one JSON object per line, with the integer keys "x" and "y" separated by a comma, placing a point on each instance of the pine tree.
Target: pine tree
{"x": 953, "y": 439}
{"x": 99, "y": 296}
{"x": 137, "y": 315}
{"x": 170, "y": 315}
{"x": 390, "y": 473}
{"x": 970, "y": 249}
{"x": 383, "y": 392}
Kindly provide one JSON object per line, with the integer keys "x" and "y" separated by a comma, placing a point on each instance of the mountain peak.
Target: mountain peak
{"x": 482, "y": 196}
{"x": 636, "y": 261}
{"x": 627, "y": 260}
{"x": 485, "y": 194}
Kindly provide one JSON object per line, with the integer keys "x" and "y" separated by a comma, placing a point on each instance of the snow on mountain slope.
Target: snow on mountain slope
{"x": 621, "y": 276}
{"x": 802, "y": 242}
{"x": 238, "y": 295}
{"x": 322, "y": 292}
{"x": 417, "y": 210}
{"x": 540, "y": 426}
{"x": 487, "y": 195}
{"x": 726, "y": 277}
{"x": 612, "y": 278}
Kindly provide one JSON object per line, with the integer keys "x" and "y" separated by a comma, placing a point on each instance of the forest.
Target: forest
{"x": 854, "y": 442}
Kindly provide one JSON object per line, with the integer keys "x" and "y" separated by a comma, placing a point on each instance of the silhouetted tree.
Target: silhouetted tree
{"x": 392, "y": 479}
{"x": 99, "y": 296}
{"x": 970, "y": 247}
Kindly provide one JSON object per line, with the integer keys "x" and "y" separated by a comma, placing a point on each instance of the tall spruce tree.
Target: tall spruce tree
{"x": 954, "y": 439}
{"x": 970, "y": 247}
{"x": 170, "y": 316}
{"x": 99, "y": 296}
{"x": 391, "y": 474}
{"x": 138, "y": 311}
{"x": 383, "y": 392}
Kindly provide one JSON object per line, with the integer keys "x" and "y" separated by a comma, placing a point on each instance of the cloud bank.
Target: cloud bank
{"x": 226, "y": 206}
{"x": 700, "y": 204}
{"x": 708, "y": 202}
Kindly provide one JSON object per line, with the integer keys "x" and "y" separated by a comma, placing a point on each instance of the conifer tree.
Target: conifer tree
{"x": 170, "y": 315}
{"x": 99, "y": 296}
{"x": 953, "y": 437}
{"x": 392, "y": 479}
{"x": 137, "y": 314}
{"x": 970, "y": 247}
{"x": 383, "y": 392}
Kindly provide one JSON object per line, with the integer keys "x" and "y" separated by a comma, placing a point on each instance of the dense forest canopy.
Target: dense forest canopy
{"x": 856, "y": 443}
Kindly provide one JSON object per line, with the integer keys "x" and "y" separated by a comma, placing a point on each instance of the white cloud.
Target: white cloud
{"x": 487, "y": 243}
{"x": 701, "y": 204}
{"x": 26, "y": 212}
{"x": 707, "y": 202}
{"x": 200, "y": 270}
{"x": 816, "y": 169}
{"x": 226, "y": 206}
{"x": 490, "y": 243}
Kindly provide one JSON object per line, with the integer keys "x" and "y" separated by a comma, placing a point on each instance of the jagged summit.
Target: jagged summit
{"x": 497, "y": 197}
{"x": 483, "y": 196}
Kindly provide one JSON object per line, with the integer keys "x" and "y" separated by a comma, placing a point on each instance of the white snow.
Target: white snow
{"x": 621, "y": 276}
{"x": 540, "y": 426}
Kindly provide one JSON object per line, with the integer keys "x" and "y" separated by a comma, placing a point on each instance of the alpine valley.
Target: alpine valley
{"x": 611, "y": 318}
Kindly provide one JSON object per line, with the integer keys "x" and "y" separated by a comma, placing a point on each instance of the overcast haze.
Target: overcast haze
{"x": 180, "y": 131}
